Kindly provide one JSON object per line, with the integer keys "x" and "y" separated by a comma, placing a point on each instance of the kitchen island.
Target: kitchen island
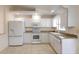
{"x": 63, "y": 44}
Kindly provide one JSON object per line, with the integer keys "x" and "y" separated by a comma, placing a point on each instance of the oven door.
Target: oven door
{"x": 35, "y": 37}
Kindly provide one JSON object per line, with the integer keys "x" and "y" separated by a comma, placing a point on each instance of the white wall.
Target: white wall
{"x": 73, "y": 20}
{"x": 44, "y": 22}
{"x": 73, "y": 16}
{"x": 4, "y": 37}
{"x": 28, "y": 22}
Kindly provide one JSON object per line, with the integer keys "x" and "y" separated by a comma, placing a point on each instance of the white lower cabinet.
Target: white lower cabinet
{"x": 44, "y": 37}
{"x": 55, "y": 43}
{"x": 63, "y": 46}
{"x": 28, "y": 37}
{"x": 69, "y": 46}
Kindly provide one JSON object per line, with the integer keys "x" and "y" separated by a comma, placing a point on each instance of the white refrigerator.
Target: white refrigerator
{"x": 16, "y": 30}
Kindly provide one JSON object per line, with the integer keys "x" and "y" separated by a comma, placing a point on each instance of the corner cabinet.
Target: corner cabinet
{"x": 64, "y": 45}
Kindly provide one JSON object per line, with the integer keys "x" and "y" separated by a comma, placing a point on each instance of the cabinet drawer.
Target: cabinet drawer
{"x": 44, "y": 37}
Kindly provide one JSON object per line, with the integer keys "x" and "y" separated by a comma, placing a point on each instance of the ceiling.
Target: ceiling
{"x": 41, "y": 9}
{"x": 44, "y": 7}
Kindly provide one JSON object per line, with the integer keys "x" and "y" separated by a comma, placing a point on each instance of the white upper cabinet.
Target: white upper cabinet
{"x": 45, "y": 23}
{"x": 28, "y": 22}
{"x": 64, "y": 17}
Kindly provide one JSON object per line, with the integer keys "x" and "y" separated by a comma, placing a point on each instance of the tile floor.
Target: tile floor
{"x": 29, "y": 49}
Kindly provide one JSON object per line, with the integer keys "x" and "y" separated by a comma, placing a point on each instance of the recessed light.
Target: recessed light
{"x": 52, "y": 11}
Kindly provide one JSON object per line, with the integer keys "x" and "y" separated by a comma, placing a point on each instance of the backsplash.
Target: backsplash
{"x": 41, "y": 28}
{"x": 73, "y": 30}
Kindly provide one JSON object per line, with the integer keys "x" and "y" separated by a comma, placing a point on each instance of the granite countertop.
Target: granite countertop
{"x": 63, "y": 36}
{"x": 41, "y": 31}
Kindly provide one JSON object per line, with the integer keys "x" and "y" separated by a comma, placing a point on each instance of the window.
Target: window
{"x": 57, "y": 23}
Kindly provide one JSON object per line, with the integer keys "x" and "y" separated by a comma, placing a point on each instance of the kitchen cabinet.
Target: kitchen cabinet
{"x": 28, "y": 22}
{"x": 69, "y": 46}
{"x": 44, "y": 37}
{"x": 63, "y": 45}
{"x": 64, "y": 18}
{"x": 55, "y": 43}
{"x": 45, "y": 23}
{"x": 28, "y": 37}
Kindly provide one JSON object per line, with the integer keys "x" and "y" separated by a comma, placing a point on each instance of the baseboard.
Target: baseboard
{"x": 35, "y": 43}
{"x": 1, "y": 49}
{"x": 15, "y": 45}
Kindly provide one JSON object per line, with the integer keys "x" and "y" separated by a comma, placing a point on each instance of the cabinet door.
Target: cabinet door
{"x": 50, "y": 39}
{"x": 45, "y": 23}
{"x": 44, "y": 37}
{"x": 28, "y": 37}
{"x": 64, "y": 18}
{"x": 55, "y": 43}
{"x": 69, "y": 46}
{"x": 28, "y": 23}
